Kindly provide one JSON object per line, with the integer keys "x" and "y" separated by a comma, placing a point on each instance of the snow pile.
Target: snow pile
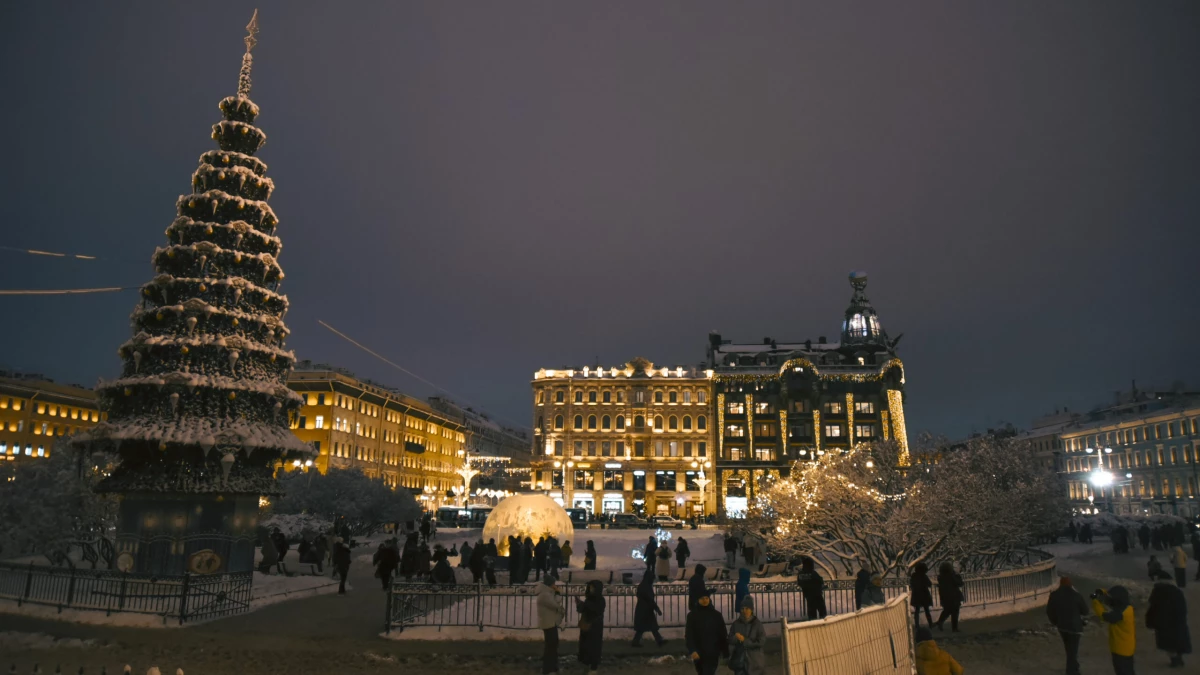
{"x": 295, "y": 525}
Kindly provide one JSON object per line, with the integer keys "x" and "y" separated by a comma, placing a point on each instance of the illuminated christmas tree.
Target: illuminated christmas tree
{"x": 200, "y": 415}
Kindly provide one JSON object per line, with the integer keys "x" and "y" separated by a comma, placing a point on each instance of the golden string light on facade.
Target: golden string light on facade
{"x": 850, "y": 417}
{"x": 896, "y": 408}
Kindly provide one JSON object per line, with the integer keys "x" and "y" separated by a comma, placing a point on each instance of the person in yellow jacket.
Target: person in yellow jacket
{"x": 931, "y": 660}
{"x": 1113, "y": 608}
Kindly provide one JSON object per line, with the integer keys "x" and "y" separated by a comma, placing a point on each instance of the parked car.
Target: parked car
{"x": 666, "y": 522}
{"x": 627, "y": 521}
{"x": 579, "y": 517}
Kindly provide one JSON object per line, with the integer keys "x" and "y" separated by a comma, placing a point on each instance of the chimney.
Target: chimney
{"x": 821, "y": 340}
{"x": 766, "y": 341}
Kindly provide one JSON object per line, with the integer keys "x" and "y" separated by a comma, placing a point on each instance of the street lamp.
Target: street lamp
{"x": 467, "y": 474}
{"x": 703, "y": 483}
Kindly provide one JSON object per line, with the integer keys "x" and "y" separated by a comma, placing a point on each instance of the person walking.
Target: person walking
{"x": 873, "y": 594}
{"x": 1074, "y": 533}
{"x": 591, "y": 625}
{"x": 682, "y": 553}
{"x": 730, "y": 550}
{"x": 425, "y": 530}
{"x": 464, "y": 559}
{"x": 931, "y": 659}
{"x": 649, "y": 553}
{"x": 812, "y": 587}
{"x": 589, "y": 556}
{"x": 553, "y": 557}
{"x": 566, "y": 554}
{"x": 550, "y": 613}
{"x": 540, "y": 551}
{"x": 1144, "y": 536}
{"x": 1179, "y": 560}
{"x": 747, "y": 636}
{"x": 341, "y": 563}
{"x": 696, "y": 587}
{"x": 861, "y": 581}
{"x": 646, "y": 612}
{"x": 1066, "y": 610}
{"x": 1167, "y": 617}
{"x": 920, "y": 591}
{"x": 950, "y": 590}
{"x": 388, "y": 561}
{"x": 1113, "y": 608}
{"x": 662, "y": 566}
{"x": 477, "y": 561}
{"x": 707, "y": 641}
{"x": 741, "y": 590}
{"x": 1196, "y": 551}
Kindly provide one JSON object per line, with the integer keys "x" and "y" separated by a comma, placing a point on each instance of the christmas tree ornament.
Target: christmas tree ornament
{"x": 232, "y": 396}
{"x": 184, "y": 349}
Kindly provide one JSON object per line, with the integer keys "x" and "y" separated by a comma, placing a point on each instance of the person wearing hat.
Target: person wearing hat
{"x": 873, "y": 593}
{"x": 1066, "y": 610}
{"x": 1113, "y": 608}
{"x": 747, "y": 636}
{"x": 707, "y": 641}
{"x": 550, "y": 614}
{"x": 931, "y": 660}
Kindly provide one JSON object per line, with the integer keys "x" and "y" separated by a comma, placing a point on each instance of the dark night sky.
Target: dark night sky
{"x": 478, "y": 190}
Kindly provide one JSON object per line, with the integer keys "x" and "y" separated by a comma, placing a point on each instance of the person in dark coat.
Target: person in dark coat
{"x": 281, "y": 543}
{"x": 1072, "y": 531}
{"x": 408, "y": 558}
{"x": 650, "y": 553}
{"x": 442, "y": 572}
{"x": 950, "y": 590}
{"x": 1085, "y": 533}
{"x": 589, "y": 556}
{"x": 540, "y": 551}
{"x": 682, "y": 553}
{"x": 341, "y": 563}
{"x": 514, "y": 559}
{"x": 707, "y": 639}
{"x": 425, "y": 530}
{"x": 477, "y": 561}
{"x": 491, "y": 548}
{"x": 424, "y": 561}
{"x": 742, "y": 589}
{"x": 920, "y": 590}
{"x": 528, "y": 553}
{"x": 812, "y": 587}
{"x": 1066, "y": 610}
{"x": 1167, "y": 615}
{"x": 553, "y": 557}
{"x": 1196, "y": 551}
{"x": 389, "y": 560}
{"x": 695, "y": 586}
{"x": 591, "y": 625}
{"x": 646, "y": 612}
{"x": 1144, "y": 536}
{"x": 464, "y": 553}
{"x": 861, "y": 581}
{"x": 730, "y": 546}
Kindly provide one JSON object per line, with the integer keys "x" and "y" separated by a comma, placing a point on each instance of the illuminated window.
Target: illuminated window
{"x": 735, "y": 431}
{"x": 41, "y": 451}
{"x": 674, "y": 448}
{"x": 864, "y": 407}
{"x": 658, "y": 448}
{"x": 833, "y": 430}
{"x": 833, "y": 408}
{"x": 762, "y": 408}
{"x": 620, "y": 396}
{"x": 864, "y": 430}
{"x": 320, "y": 421}
{"x": 735, "y": 453}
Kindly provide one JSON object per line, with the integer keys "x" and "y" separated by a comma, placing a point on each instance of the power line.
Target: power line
{"x": 33, "y": 251}
{"x": 69, "y": 291}
{"x": 408, "y": 372}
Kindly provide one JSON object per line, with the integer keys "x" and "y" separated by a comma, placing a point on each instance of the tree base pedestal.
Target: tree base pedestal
{"x": 169, "y": 534}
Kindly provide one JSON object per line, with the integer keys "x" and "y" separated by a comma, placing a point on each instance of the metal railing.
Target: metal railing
{"x": 189, "y": 597}
{"x": 514, "y": 607}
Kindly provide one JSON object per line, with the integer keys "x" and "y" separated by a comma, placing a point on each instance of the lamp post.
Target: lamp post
{"x": 467, "y": 474}
{"x": 568, "y": 484}
{"x": 703, "y": 483}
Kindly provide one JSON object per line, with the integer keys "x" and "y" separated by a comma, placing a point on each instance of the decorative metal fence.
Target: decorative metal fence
{"x": 514, "y": 607}
{"x": 190, "y": 597}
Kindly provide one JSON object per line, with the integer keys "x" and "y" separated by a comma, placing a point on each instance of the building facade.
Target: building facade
{"x": 499, "y": 453}
{"x": 779, "y": 403}
{"x": 1137, "y": 457}
{"x": 354, "y": 423}
{"x": 35, "y": 411}
{"x": 638, "y": 438}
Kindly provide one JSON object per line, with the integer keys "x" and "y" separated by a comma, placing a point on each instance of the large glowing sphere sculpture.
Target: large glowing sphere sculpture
{"x": 524, "y": 516}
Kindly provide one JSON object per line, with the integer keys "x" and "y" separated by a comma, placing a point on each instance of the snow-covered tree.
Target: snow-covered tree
{"x": 49, "y": 504}
{"x": 861, "y": 507}
{"x": 346, "y": 496}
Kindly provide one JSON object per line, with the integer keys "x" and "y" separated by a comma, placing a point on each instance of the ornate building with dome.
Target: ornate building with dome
{"x": 776, "y": 403}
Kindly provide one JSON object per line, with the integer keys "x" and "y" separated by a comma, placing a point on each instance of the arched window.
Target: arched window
{"x": 541, "y": 397}
{"x": 606, "y": 423}
{"x": 701, "y": 423}
{"x": 687, "y": 423}
{"x": 540, "y": 422}
{"x": 673, "y": 423}
{"x": 639, "y": 422}
{"x": 673, "y": 397}
{"x": 558, "y": 397}
{"x": 658, "y": 397}
{"x": 591, "y": 397}
{"x": 591, "y": 422}
{"x": 578, "y": 422}
{"x": 578, "y": 396}
{"x": 658, "y": 422}
{"x": 620, "y": 423}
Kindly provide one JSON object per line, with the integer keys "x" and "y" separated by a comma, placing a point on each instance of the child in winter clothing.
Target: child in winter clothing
{"x": 1114, "y": 609}
{"x": 747, "y": 635}
{"x": 931, "y": 660}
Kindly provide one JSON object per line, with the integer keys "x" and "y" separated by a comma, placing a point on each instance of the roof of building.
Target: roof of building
{"x": 25, "y": 385}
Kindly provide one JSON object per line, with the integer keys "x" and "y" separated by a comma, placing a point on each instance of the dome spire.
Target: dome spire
{"x": 862, "y": 324}
{"x": 251, "y": 39}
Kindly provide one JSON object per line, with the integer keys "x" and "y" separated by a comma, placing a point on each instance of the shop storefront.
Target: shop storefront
{"x": 613, "y": 503}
